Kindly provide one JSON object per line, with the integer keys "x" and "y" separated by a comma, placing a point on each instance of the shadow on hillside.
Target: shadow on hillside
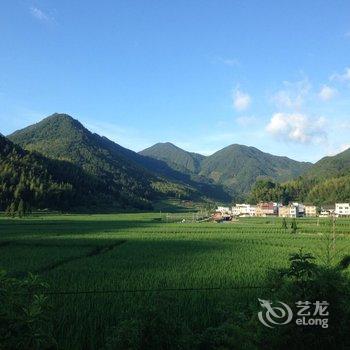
{"x": 200, "y": 183}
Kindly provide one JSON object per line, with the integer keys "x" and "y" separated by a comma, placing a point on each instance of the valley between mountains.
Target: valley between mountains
{"x": 59, "y": 164}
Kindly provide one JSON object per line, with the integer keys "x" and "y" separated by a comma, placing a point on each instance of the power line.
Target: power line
{"x": 156, "y": 290}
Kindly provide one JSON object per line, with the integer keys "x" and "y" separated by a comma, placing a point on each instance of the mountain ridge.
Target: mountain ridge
{"x": 236, "y": 167}
{"x": 139, "y": 178}
{"x": 165, "y": 169}
{"x": 330, "y": 166}
{"x": 62, "y": 137}
{"x": 183, "y": 160}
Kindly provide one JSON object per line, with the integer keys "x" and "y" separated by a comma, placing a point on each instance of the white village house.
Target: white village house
{"x": 342, "y": 209}
{"x": 289, "y": 211}
{"x": 224, "y": 210}
{"x": 310, "y": 210}
{"x": 301, "y": 209}
{"x": 244, "y": 210}
{"x": 293, "y": 210}
{"x": 326, "y": 212}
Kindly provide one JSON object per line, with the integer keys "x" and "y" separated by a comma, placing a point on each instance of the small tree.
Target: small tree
{"x": 21, "y": 208}
{"x": 11, "y": 209}
{"x": 294, "y": 226}
{"x": 306, "y": 280}
{"x": 284, "y": 225}
{"x": 24, "y": 314}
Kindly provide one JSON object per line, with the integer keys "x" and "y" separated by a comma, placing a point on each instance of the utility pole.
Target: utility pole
{"x": 166, "y": 224}
{"x": 334, "y": 233}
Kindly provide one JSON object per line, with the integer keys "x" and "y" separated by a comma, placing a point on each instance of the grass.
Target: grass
{"x": 140, "y": 251}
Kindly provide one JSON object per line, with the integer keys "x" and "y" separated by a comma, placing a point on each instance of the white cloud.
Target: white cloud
{"x": 341, "y": 77}
{"x": 298, "y": 128}
{"x": 336, "y": 150}
{"x": 241, "y": 100}
{"x": 292, "y": 95}
{"x": 327, "y": 93}
{"x": 39, "y": 14}
{"x": 344, "y": 147}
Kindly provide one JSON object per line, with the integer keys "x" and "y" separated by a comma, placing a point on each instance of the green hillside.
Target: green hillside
{"x": 331, "y": 176}
{"x": 326, "y": 182}
{"x": 29, "y": 181}
{"x": 238, "y": 167}
{"x": 331, "y": 166}
{"x": 62, "y": 137}
{"x": 136, "y": 180}
{"x": 175, "y": 157}
{"x": 179, "y": 165}
{"x": 235, "y": 168}
{"x": 131, "y": 179}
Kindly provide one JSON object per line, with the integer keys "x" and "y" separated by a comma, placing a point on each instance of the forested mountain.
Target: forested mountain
{"x": 313, "y": 191}
{"x": 132, "y": 179}
{"x": 326, "y": 182}
{"x": 93, "y": 171}
{"x": 238, "y": 167}
{"x": 331, "y": 166}
{"x": 176, "y": 158}
{"x": 64, "y": 138}
{"x": 179, "y": 165}
{"x": 235, "y": 167}
{"x": 29, "y": 180}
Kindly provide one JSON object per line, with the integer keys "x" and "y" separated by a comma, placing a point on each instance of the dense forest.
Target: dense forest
{"x": 313, "y": 191}
{"x": 25, "y": 181}
{"x": 29, "y": 180}
{"x": 326, "y": 182}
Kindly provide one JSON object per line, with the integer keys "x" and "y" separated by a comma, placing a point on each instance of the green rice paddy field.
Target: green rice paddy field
{"x": 124, "y": 261}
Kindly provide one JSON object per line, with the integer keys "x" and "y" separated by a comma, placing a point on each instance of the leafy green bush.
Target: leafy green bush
{"x": 24, "y": 314}
{"x": 304, "y": 280}
{"x": 153, "y": 328}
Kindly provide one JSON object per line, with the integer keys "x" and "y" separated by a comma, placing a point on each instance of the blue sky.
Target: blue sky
{"x": 201, "y": 74}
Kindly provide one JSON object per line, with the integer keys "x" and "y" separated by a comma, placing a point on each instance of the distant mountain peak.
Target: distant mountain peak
{"x": 59, "y": 136}
{"x": 166, "y": 145}
{"x": 177, "y": 158}
{"x": 62, "y": 115}
{"x": 54, "y": 125}
{"x": 63, "y": 118}
{"x": 234, "y": 168}
{"x": 58, "y": 117}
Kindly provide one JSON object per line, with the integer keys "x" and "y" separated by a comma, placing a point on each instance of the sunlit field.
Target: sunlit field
{"x": 110, "y": 268}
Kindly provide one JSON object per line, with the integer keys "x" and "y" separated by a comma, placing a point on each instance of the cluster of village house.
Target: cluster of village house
{"x": 292, "y": 210}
